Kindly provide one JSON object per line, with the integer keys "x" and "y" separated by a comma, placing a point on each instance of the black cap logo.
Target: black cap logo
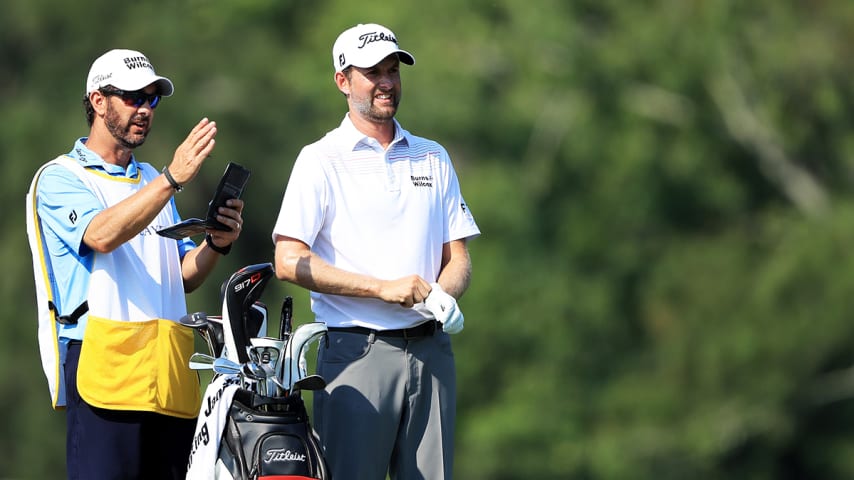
{"x": 341, "y": 60}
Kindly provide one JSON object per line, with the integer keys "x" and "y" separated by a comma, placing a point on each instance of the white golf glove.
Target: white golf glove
{"x": 444, "y": 308}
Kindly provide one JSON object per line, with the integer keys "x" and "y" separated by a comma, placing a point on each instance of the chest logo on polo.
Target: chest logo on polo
{"x": 422, "y": 180}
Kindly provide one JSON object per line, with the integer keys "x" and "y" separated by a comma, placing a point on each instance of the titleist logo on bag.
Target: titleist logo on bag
{"x": 282, "y": 455}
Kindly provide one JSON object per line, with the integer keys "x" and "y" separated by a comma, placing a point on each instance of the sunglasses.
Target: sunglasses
{"x": 134, "y": 99}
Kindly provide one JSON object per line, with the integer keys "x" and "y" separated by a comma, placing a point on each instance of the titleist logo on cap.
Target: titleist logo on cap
{"x": 102, "y": 78}
{"x": 372, "y": 37}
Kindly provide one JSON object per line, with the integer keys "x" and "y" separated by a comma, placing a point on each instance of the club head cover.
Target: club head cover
{"x": 243, "y": 288}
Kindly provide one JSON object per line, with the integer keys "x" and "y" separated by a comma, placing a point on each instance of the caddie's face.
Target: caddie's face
{"x": 127, "y": 123}
{"x": 374, "y": 92}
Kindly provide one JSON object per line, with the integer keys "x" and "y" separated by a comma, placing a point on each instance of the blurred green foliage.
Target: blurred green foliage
{"x": 664, "y": 188}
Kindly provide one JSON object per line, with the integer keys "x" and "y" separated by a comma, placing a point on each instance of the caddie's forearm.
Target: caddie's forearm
{"x": 196, "y": 265}
{"x": 117, "y": 224}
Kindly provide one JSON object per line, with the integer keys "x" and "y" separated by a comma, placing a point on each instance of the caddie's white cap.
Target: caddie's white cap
{"x": 127, "y": 70}
{"x": 366, "y": 45}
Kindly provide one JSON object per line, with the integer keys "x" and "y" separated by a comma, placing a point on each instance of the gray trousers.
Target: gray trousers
{"x": 388, "y": 408}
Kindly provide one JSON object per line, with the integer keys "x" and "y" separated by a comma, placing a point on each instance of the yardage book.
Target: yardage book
{"x": 231, "y": 185}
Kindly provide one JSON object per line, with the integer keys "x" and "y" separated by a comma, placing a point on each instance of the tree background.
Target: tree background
{"x": 664, "y": 187}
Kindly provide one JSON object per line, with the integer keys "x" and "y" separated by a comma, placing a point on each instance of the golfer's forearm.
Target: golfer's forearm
{"x": 456, "y": 271}
{"x": 325, "y": 278}
{"x": 309, "y": 271}
{"x": 455, "y": 278}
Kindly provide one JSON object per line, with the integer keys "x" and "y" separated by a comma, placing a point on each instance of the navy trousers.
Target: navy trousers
{"x": 114, "y": 444}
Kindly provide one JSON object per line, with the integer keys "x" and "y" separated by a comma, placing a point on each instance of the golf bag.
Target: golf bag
{"x": 274, "y": 443}
{"x": 253, "y": 424}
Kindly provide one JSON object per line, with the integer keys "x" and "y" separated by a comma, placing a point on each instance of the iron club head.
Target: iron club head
{"x": 200, "y": 361}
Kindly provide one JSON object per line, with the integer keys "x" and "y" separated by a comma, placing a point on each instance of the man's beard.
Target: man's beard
{"x": 368, "y": 110}
{"x": 122, "y": 132}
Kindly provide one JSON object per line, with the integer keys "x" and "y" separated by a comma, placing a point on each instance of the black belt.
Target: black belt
{"x": 426, "y": 329}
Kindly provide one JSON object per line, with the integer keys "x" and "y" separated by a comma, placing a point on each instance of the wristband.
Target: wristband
{"x": 220, "y": 250}
{"x": 177, "y": 186}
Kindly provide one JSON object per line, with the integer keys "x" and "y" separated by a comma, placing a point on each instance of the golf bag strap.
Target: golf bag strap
{"x": 69, "y": 319}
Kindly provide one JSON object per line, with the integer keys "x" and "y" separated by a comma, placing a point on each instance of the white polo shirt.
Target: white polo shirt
{"x": 383, "y": 213}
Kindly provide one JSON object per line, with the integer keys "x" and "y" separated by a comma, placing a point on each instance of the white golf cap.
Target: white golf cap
{"x": 126, "y": 70}
{"x": 366, "y": 45}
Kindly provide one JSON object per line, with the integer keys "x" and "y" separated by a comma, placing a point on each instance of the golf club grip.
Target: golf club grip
{"x": 285, "y": 323}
